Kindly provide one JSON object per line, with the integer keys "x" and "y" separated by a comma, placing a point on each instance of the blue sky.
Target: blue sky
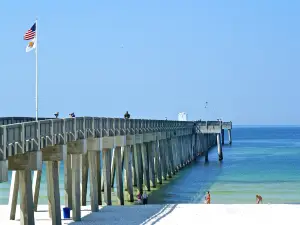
{"x": 154, "y": 58}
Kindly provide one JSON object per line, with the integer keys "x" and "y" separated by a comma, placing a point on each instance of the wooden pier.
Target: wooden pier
{"x": 144, "y": 152}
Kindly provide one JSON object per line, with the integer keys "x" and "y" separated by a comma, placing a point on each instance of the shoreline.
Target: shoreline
{"x": 173, "y": 214}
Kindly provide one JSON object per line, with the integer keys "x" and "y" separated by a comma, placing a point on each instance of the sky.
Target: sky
{"x": 154, "y": 58}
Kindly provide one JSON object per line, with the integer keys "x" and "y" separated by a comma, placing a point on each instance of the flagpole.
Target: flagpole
{"x": 36, "y": 72}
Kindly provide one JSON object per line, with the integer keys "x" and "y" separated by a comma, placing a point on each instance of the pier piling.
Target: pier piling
{"x": 220, "y": 152}
{"x": 128, "y": 161}
{"x": 106, "y": 159}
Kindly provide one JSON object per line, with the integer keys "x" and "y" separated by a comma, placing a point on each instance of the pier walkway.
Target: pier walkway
{"x": 135, "y": 152}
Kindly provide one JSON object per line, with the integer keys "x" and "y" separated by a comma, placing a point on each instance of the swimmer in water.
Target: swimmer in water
{"x": 258, "y": 199}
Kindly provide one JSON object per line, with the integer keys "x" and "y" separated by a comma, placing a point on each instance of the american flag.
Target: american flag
{"x": 30, "y": 34}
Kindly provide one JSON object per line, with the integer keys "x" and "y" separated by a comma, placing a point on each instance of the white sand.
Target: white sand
{"x": 175, "y": 214}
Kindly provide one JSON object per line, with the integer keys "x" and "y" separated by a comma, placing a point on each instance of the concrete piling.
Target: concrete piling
{"x": 13, "y": 197}
{"x": 68, "y": 181}
{"x": 220, "y": 152}
{"x": 229, "y": 136}
{"x": 94, "y": 176}
{"x": 128, "y": 161}
{"x": 145, "y": 166}
{"x": 84, "y": 177}
{"x": 151, "y": 152}
{"x": 26, "y": 198}
{"x": 106, "y": 159}
{"x": 138, "y": 167}
{"x": 119, "y": 175}
{"x": 222, "y": 132}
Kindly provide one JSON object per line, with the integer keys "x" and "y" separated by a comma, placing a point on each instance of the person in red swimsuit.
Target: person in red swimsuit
{"x": 207, "y": 198}
{"x": 258, "y": 199}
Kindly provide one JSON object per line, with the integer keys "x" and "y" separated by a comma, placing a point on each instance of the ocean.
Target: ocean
{"x": 263, "y": 161}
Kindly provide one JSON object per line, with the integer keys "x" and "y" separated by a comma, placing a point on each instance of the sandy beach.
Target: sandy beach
{"x": 175, "y": 214}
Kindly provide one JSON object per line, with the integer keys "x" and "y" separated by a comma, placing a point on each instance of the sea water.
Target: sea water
{"x": 263, "y": 161}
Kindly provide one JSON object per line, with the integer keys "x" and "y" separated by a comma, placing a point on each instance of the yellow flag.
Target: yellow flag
{"x": 31, "y": 45}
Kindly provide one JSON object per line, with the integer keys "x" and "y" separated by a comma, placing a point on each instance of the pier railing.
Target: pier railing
{"x": 19, "y": 138}
{"x": 23, "y": 137}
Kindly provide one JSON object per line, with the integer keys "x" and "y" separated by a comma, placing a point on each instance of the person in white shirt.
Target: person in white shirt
{"x": 145, "y": 198}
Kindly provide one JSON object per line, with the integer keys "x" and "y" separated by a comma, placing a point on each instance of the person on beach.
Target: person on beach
{"x": 145, "y": 198}
{"x": 207, "y": 198}
{"x": 139, "y": 198}
{"x": 258, "y": 199}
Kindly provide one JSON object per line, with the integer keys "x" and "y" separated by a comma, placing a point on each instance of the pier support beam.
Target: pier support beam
{"x": 68, "y": 180}
{"x": 220, "y": 153}
{"x": 84, "y": 177}
{"x": 13, "y": 195}
{"x": 26, "y": 206}
{"x": 113, "y": 168}
{"x": 36, "y": 184}
{"x": 174, "y": 155}
{"x": 138, "y": 167}
{"x": 222, "y": 131}
{"x": 76, "y": 212}
{"x": 118, "y": 166}
{"x": 24, "y": 164}
{"x": 145, "y": 166}
{"x": 229, "y": 136}
{"x": 180, "y": 146}
{"x": 93, "y": 152}
{"x": 134, "y": 175}
{"x": 3, "y": 171}
{"x": 157, "y": 162}
{"x": 76, "y": 149}
{"x": 206, "y": 146}
{"x": 53, "y": 191}
{"x": 106, "y": 159}
{"x": 163, "y": 159}
{"x": 52, "y": 155}
{"x": 94, "y": 172}
{"x": 168, "y": 157}
{"x": 99, "y": 178}
{"x": 151, "y": 152}
{"x": 128, "y": 172}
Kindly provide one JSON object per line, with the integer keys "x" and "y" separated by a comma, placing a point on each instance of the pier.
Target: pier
{"x": 135, "y": 152}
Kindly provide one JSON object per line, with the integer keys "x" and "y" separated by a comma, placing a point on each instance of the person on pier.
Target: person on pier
{"x": 258, "y": 199}
{"x": 56, "y": 114}
{"x": 127, "y": 115}
{"x": 72, "y": 115}
{"x": 207, "y": 198}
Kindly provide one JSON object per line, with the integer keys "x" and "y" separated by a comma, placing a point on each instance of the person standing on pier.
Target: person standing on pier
{"x": 258, "y": 199}
{"x": 72, "y": 115}
{"x": 56, "y": 115}
{"x": 207, "y": 198}
{"x": 126, "y": 115}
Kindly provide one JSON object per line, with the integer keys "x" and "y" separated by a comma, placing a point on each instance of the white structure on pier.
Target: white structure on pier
{"x": 182, "y": 116}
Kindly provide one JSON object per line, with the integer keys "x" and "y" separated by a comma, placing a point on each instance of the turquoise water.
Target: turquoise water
{"x": 263, "y": 161}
